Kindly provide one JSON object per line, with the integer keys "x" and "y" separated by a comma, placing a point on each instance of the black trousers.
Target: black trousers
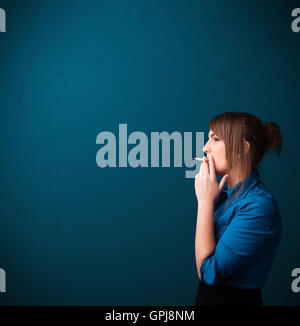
{"x": 221, "y": 295}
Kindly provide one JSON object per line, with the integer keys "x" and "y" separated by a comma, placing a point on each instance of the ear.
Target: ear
{"x": 246, "y": 147}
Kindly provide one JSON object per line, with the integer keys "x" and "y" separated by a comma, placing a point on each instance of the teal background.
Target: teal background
{"x": 72, "y": 233}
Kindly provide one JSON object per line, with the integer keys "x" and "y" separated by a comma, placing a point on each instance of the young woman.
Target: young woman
{"x": 238, "y": 224}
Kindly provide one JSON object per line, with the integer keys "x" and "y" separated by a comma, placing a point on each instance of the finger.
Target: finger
{"x": 222, "y": 182}
{"x": 204, "y": 169}
{"x": 212, "y": 170}
{"x": 201, "y": 171}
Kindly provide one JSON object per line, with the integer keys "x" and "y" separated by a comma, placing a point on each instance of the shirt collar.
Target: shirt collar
{"x": 251, "y": 180}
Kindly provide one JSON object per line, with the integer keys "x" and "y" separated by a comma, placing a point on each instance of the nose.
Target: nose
{"x": 206, "y": 148}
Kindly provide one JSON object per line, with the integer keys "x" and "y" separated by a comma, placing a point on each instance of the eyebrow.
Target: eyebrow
{"x": 211, "y": 135}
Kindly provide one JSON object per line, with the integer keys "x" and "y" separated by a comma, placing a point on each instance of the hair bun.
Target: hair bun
{"x": 274, "y": 136}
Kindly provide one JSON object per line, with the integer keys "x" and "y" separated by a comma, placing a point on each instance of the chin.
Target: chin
{"x": 221, "y": 173}
{"x": 217, "y": 172}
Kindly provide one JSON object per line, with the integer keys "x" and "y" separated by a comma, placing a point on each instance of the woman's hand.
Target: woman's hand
{"x": 206, "y": 185}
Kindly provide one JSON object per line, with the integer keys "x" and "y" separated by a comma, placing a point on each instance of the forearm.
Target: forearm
{"x": 205, "y": 237}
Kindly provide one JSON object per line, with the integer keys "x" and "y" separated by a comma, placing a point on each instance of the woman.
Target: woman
{"x": 238, "y": 224}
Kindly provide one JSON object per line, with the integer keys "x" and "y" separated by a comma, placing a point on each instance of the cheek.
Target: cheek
{"x": 220, "y": 166}
{"x": 220, "y": 163}
{"x": 220, "y": 159}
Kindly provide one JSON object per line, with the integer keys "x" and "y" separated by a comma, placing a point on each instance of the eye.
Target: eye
{"x": 216, "y": 139}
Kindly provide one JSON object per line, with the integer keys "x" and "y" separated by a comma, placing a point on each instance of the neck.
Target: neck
{"x": 232, "y": 181}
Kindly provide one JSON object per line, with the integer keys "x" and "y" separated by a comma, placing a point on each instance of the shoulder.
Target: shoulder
{"x": 262, "y": 197}
{"x": 259, "y": 204}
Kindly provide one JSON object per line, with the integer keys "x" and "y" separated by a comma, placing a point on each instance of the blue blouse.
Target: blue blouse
{"x": 247, "y": 235}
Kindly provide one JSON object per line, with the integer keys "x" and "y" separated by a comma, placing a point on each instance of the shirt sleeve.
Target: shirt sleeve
{"x": 253, "y": 225}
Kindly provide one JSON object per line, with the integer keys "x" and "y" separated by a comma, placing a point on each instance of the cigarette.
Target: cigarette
{"x": 200, "y": 158}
